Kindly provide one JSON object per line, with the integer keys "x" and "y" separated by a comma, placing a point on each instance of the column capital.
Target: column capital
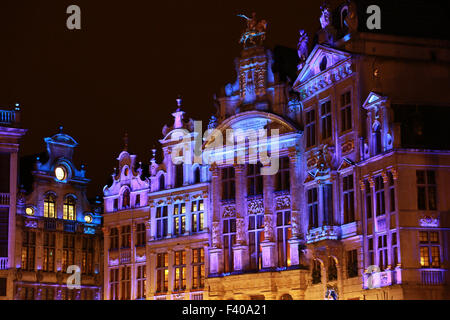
{"x": 371, "y": 182}
{"x": 394, "y": 172}
{"x": 362, "y": 185}
{"x": 239, "y": 168}
{"x": 385, "y": 177}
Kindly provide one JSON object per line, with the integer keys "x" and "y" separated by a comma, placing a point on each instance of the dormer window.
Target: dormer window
{"x": 162, "y": 182}
{"x": 126, "y": 199}
{"x": 197, "y": 175}
{"x": 323, "y": 63}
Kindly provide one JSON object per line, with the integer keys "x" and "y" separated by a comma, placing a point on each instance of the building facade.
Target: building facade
{"x": 57, "y": 253}
{"x": 356, "y": 208}
{"x": 10, "y": 135}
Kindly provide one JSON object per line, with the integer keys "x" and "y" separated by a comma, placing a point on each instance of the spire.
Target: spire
{"x": 61, "y": 129}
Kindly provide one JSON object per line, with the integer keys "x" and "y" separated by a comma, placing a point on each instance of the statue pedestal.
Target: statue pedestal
{"x": 268, "y": 254}
{"x": 239, "y": 255}
{"x": 295, "y": 245}
{"x": 214, "y": 260}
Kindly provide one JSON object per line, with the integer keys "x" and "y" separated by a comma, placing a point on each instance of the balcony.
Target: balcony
{"x": 9, "y": 117}
{"x": 378, "y": 279}
{"x": 323, "y": 233}
{"x": 4, "y": 199}
{"x": 432, "y": 277}
{"x": 50, "y": 224}
{"x": 3, "y": 263}
{"x": 125, "y": 256}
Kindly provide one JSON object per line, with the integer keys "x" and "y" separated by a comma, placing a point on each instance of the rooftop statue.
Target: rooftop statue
{"x": 256, "y": 30}
{"x": 302, "y": 48}
{"x": 351, "y": 21}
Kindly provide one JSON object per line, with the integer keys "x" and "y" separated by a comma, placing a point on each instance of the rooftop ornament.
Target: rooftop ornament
{"x": 255, "y": 33}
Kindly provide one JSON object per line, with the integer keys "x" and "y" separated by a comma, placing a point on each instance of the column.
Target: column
{"x": 188, "y": 263}
{"x": 150, "y": 225}
{"x": 215, "y": 250}
{"x": 133, "y": 261}
{"x": 106, "y": 245}
{"x": 268, "y": 245}
{"x": 151, "y": 273}
{"x": 240, "y": 249}
{"x": 12, "y": 209}
{"x": 188, "y": 215}
{"x": 171, "y": 260}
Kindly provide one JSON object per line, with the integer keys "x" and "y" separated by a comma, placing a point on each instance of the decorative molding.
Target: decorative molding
{"x": 347, "y": 147}
{"x": 255, "y": 206}
{"x": 229, "y": 212}
{"x": 283, "y": 202}
{"x": 429, "y": 221}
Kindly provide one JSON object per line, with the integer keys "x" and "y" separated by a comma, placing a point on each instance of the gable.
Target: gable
{"x": 322, "y": 58}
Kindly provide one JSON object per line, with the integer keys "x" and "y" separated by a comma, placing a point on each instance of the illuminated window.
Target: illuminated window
{"x": 348, "y": 194}
{"x": 161, "y": 222}
{"x": 325, "y": 118}
{"x": 180, "y": 271}
{"x": 114, "y": 239}
{"x": 125, "y": 283}
{"x": 313, "y": 212}
{"x": 179, "y": 219}
{"x": 87, "y": 255}
{"x": 69, "y": 211}
{"x": 394, "y": 249}
{"x": 229, "y": 239}
{"x": 310, "y": 128}
{"x": 48, "y": 263}
{"x": 426, "y": 190}
{"x": 141, "y": 279}
{"x": 391, "y": 192}
{"x": 430, "y": 248}
{"x": 198, "y": 268}
{"x": 346, "y": 112}
{"x": 228, "y": 184}
{"x": 382, "y": 252}
{"x": 162, "y": 273}
{"x": 125, "y": 234}
{"x": 255, "y": 237}
{"x": 114, "y": 284}
{"x": 28, "y": 250}
{"x": 284, "y": 233}
{"x": 68, "y": 251}
{"x": 197, "y": 215}
{"x": 140, "y": 234}
{"x": 49, "y": 206}
{"x": 254, "y": 179}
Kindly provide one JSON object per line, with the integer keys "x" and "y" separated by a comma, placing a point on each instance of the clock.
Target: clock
{"x": 60, "y": 173}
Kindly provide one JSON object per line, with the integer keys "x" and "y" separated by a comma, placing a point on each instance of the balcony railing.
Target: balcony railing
{"x": 69, "y": 226}
{"x": 4, "y": 199}
{"x": 432, "y": 277}
{"x": 50, "y": 224}
{"x": 125, "y": 256}
{"x": 3, "y": 263}
{"x": 8, "y": 117}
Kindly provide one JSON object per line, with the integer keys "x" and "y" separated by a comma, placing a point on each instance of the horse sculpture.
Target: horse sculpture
{"x": 255, "y": 30}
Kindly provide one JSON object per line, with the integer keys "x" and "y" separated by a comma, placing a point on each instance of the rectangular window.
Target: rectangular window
{"x": 371, "y": 252}
{"x": 161, "y": 222}
{"x": 28, "y": 250}
{"x": 197, "y": 215}
{"x": 310, "y": 128}
{"x": 229, "y": 239}
{"x": 391, "y": 192}
{"x": 346, "y": 112}
{"x": 368, "y": 200}
{"x": 327, "y": 206}
{"x": 255, "y": 236}
{"x": 228, "y": 184}
{"x": 254, "y": 179}
{"x": 379, "y": 196}
{"x": 49, "y": 252}
{"x": 426, "y": 190}
{"x": 137, "y": 202}
{"x": 180, "y": 271}
{"x": 141, "y": 279}
{"x": 125, "y": 234}
{"x": 284, "y": 233}
{"x": 140, "y": 234}
{"x": 2, "y": 287}
{"x": 430, "y": 249}
{"x": 313, "y": 203}
{"x": 382, "y": 252}
{"x": 162, "y": 272}
{"x": 114, "y": 239}
{"x": 394, "y": 249}
{"x": 198, "y": 268}
{"x": 349, "y": 198}
{"x": 114, "y": 284}
{"x": 325, "y": 118}
{"x": 125, "y": 283}
{"x": 68, "y": 251}
{"x": 352, "y": 263}
{"x": 179, "y": 219}
{"x": 87, "y": 255}
{"x": 282, "y": 178}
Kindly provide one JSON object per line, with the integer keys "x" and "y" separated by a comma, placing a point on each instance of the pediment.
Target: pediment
{"x": 373, "y": 99}
{"x": 320, "y": 59}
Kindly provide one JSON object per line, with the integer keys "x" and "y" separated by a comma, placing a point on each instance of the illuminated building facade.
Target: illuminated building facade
{"x": 10, "y": 135}
{"x": 356, "y": 210}
{"x": 56, "y": 231}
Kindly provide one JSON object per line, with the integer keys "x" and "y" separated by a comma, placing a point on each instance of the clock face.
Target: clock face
{"x": 88, "y": 218}
{"x": 60, "y": 173}
{"x": 29, "y": 211}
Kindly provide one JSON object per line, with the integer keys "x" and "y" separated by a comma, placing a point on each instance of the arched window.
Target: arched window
{"x": 162, "y": 182}
{"x": 197, "y": 175}
{"x": 316, "y": 272}
{"x": 126, "y": 199}
{"x": 49, "y": 206}
{"x": 332, "y": 269}
{"x": 286, "y": 297}
{"x": 69, "y": 212}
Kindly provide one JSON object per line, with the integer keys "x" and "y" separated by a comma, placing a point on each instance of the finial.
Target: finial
{"x": 179, "y": 101}
{"x": 125, "y": 142}
{"x": 153, "y": 153}
{"x": 61, "y": 129}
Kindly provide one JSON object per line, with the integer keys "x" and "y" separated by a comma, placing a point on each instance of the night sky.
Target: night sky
{"x": 126, "y": 66}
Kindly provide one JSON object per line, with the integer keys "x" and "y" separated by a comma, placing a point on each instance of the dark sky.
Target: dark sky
{"x": 124, "y": 69}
